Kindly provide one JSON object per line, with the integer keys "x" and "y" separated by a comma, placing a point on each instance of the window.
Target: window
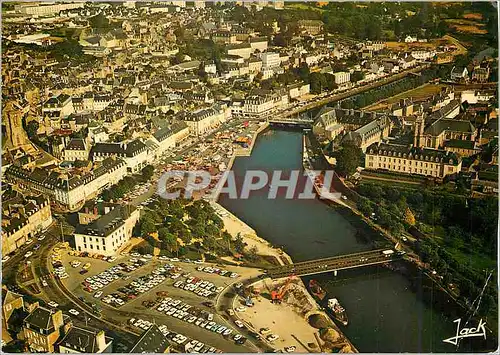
{"x": 84, "y": 239}
{"x": 91, "y": 246}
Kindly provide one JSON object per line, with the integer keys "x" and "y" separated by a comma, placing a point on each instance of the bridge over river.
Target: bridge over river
{"x": 335, "y": 263}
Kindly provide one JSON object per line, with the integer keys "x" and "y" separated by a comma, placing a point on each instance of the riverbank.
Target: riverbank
{"x": 289, "y": 312}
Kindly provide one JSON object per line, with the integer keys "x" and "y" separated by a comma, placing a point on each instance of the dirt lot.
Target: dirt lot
{"x": 287, "y": 320}
{"x": 467, "y": 26}
{"x": 135, "y": 309}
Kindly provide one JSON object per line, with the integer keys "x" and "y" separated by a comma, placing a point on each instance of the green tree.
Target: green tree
{"x": 147, "y": 172}
{"x": 31, "y": 129}
{"x": 169, "y": 241}
{"x": 349, "y": 158}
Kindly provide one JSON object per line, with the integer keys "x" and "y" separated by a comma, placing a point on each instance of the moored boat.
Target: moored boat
{"x": 338, "y": 311}
{"x": 316, "y": 290}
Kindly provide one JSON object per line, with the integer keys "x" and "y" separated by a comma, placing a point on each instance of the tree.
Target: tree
{"x": 31, "y": 129}
{"x": 147, "y": 227}
{"x": 147, "y": 172}
{"x": 239, "y": 244}
{"x": 364, "y": 206}
{"x": 252, "y": 253}
{"x": 409, "y": 217}
{"x": 169, "y": 241}
{"x": 227, "y": 238}
{"x": 349, "y": 158}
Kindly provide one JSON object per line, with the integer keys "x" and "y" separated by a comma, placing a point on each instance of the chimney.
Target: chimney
{"x": 106, "y": 209}
{"x": 100, "y": 340}
{"x": 95, "y": 210}
{"x": 57, "y": 319}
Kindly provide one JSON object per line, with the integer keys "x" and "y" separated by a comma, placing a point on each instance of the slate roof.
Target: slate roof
{"x": 152, "y": 341}
{"x": 107, "y": 224}
{"x": 414, "y": 153}
{"x": 40, "y": 317}
{"x": 81, "y": 340}
{"x": 443, "y": 124}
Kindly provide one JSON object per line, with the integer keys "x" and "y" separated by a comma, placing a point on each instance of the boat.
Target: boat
{"x": 338, "y": 311}
{"x": 316, "y": 290}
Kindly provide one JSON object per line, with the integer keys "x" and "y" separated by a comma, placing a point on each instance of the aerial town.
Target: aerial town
{"x": 387, "y": 111}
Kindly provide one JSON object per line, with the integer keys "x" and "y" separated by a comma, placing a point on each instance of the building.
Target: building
{"x": 169, "y": 137}
{"x": 224, "y": 37}
{"x": 459, "y": 74}
{"x": 43, "y": 327}
{"x": 151, "y": 341}
{"x": 204, "y": 120}
{"x": 11, "y": 303}
{"x": 412, "y": 160}
{"x": 298, "y": 90}
{"x": 258, "y": 44}
{"x": 270, "y": 60}
{"x": 46, "y": 9}
{"x": 312, "y": 27}
{"x": 372, "y": 132}
{"x": 134, "y": 153}
{"x": 78, "y": 340}
{"x": 242, "y": 50}
{"x": 108, "y": 233}
{"x": 341, "y": 77}
{"x": 23, "y": 217}
{"x": 410, "y": 39}
{"x": 463, "y": 148}
{"x": 76, "y": 149}
{"x": 69, "y": 190}
{"x": 481, "y": 75}
{"x": 436, "y": 134}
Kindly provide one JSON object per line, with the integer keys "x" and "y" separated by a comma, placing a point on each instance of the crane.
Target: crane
{"x": 277, "y": 296}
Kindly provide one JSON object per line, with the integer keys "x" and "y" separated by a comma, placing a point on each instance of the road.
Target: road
{"x": 342, "y": 262}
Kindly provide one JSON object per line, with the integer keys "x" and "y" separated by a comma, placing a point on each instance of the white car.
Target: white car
{"x": 44, "y": 283}
{"x": 5, "y": 258}
{"x": 29, "y": 241}
{"x": 53, "y": 304}
{"x": 240, "y": 309}
{"x": 74, "y": 312}
{"x": 239, "y": 323}
{"x": 272, "y": 337}
{"x": 98, "y": 294}
{"x": 290, "y": 349}
{"x": 28, "y": 254}
{"x": 42, "y": 237}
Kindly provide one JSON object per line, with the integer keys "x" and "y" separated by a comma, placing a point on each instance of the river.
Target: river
{"x": 385, "y": 314}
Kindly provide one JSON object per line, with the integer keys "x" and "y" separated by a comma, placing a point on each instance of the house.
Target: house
{"x": 107, "y": 234}
{"x": 459, "y": 74}
{"x": 224, "y": 37}
{"x": 80, "y": 340}
{"x": 152, "y": 341}
{"x": 412, "y": 160}
{"x": 11, "y": 303}
{"x": 169, "y": 137}
{"x": 463, "y": 148}
{"x": 407, "y": 62}
{"x": 410, "y": 39}
{"x": 436, "y": 134}
{"x": 43, "y": 327}
{"x": 23, "y": 217}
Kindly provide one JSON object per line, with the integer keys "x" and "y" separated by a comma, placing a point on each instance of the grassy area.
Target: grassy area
{"x": 478, "y": 261}
{"x": 302, "y": 6}
{"x": 418, "y": 93}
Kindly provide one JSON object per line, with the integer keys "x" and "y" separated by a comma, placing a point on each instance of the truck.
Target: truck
{"x": 388, "y": 253}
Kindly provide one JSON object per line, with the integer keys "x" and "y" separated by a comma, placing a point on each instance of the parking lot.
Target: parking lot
{"x": 135, "y": 286}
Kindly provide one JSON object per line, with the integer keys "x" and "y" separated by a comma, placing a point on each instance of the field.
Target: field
{"x": 467, "y": 26}
{"x": 418, "y": 93}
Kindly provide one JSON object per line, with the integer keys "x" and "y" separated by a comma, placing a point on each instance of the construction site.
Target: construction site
{"x": 284, "y": 308}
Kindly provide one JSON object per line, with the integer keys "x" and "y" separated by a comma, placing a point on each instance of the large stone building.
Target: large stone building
{"x": 412, "y": 160}
{"x": 134, "y": 153}
{"x": 362, "y": 128}
{"x": 70, "y": 190}
{"x": 204, "y": 120}
{"x": 23, "y": 217}
{"x": 437, "y": 133}
{"x": 107, "y": 234}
